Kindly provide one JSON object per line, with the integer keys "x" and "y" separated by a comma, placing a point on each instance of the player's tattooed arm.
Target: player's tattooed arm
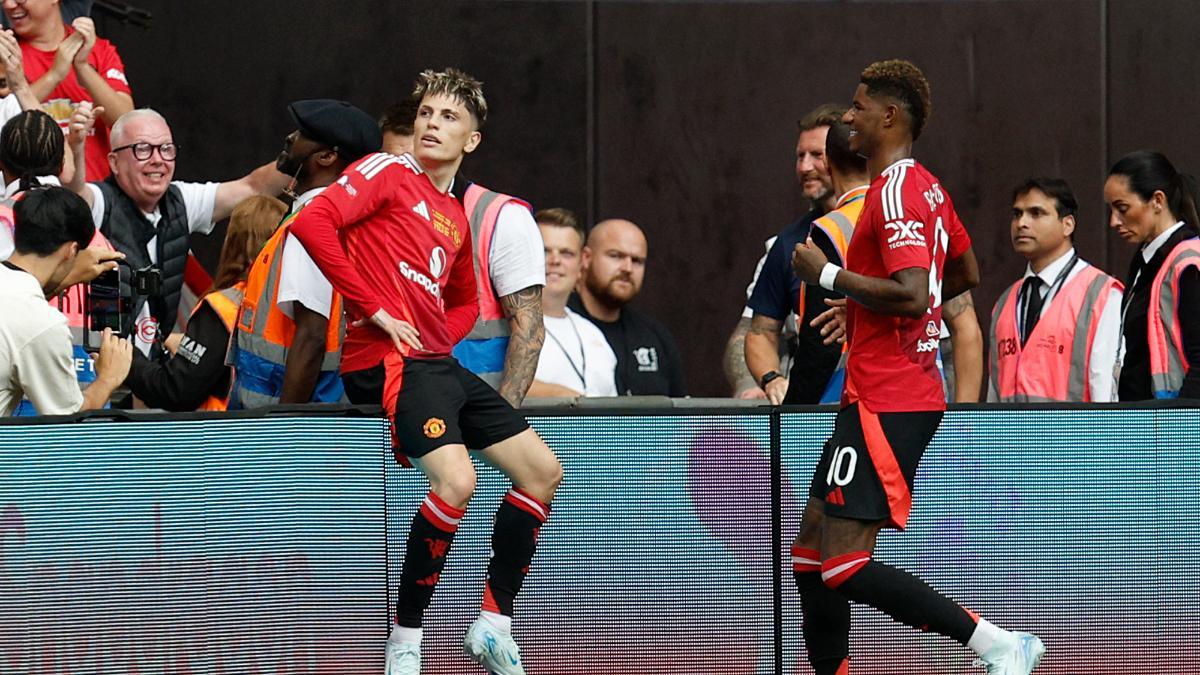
{"x": 524, "y": 312}
{"x": 967, "y": 338}
{"x": 955, "y": 306}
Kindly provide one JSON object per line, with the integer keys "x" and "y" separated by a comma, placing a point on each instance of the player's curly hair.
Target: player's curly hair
{"x": 904, "y": 82}
{"x": 456, "y": 84}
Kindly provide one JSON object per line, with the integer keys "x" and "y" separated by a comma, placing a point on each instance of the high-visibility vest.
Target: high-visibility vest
{"x": 8, "y": 227}
{"x": 838, "y": 225}
{"x": 482, "y": 350}
{"x": 225, "y": 303}
{"x": 263, "y": 335}
{"x": 1168, "y": 361}
{"x": 1053, "y": 363}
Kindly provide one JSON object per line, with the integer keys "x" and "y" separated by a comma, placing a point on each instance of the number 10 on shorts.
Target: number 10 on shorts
{"x": 842, "y": 466}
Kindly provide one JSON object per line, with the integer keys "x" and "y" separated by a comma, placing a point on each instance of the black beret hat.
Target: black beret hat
{"x": 353, "y": 132}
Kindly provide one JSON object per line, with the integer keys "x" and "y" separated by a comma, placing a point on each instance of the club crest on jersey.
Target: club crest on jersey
{"x": 422, "y": 210}
{"x": 931, "y": 329}
{"x": 437, "y": 261}
{"x": 905, "y": 233}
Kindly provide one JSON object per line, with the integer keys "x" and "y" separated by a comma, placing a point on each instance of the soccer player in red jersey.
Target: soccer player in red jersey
{"x": 395, "y": 242}
{"x": 909, "y": 250}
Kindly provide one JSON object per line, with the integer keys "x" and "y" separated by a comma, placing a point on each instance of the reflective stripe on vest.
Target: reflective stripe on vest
{"x": 263, "y": 335}
{"x": 482, "y": 350}
{"x": 1053, "y": 364}
{"x": 225, "y": 303}
{"x": 838, "y": 225}
{"x": 1168, "y": 366}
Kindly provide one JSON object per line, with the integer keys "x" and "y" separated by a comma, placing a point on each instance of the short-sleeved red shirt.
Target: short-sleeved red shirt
{"x": 908, "y": 221}
{"x": 70, "y": 93}
{"x": 401, "y": 245}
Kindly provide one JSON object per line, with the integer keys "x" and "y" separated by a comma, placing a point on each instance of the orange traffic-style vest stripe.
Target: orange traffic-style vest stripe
{"x": 1168, "y": 361}
{"x": 482, "y": 350}
{"x": 263, "y": 335}
{"x": 1053, "y": 364}
{"x": 838, "y": 225}
{"x": 225, "y": 303}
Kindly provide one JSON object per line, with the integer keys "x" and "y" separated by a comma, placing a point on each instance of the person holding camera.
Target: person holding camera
{"x": 196, "y": 377}
{"x": 36, "y": 357}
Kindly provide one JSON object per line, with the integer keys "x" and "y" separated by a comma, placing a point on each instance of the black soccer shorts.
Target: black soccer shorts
{"x": 868, "y": 466}
{"x": 438, "y": 402}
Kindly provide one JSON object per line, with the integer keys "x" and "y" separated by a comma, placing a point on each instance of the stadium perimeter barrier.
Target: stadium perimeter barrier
{"x": 271, "y": 542}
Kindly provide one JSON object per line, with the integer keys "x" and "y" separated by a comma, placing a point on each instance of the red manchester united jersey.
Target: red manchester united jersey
{"x": 401, "y": 245}
{"x": 908, "y": 221}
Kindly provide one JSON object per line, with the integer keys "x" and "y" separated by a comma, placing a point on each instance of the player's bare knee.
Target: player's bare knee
{"x": 543, "y": 478}
{"x": 840, "y": 536}
{"x": 457, "y": 487}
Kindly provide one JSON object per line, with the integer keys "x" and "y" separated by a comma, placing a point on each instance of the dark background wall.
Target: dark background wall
{"x": 681, "y": 116}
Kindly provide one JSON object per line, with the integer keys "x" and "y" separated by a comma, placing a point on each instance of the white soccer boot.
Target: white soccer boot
{"x": 1017, "y": 657}
{"x": 493, "y": 649}
{"x": 403, "y": 658}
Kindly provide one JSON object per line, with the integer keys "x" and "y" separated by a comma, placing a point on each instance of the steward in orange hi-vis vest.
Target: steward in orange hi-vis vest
{"x": 263, "y": 334}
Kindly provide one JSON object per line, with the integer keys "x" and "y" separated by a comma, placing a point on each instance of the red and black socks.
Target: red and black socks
{"x": 514, "y": 541}
{"x": 826, "y": 615}
{"x": 897, "y": 593}
{"x": 429, "y": 540}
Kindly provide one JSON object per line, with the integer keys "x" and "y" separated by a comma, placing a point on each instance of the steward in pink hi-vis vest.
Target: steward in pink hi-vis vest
{"x": 1168, "y": 364}
{"x": 1053, "y": 363}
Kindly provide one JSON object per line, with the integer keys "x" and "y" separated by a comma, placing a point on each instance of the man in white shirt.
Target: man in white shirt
{"x": 1061, "y": 322}
{"x": 148, "y": 216}
{"x": 576, "y": 359}
{"x": 36, "y": 355}
{"x": 330, "y": 136}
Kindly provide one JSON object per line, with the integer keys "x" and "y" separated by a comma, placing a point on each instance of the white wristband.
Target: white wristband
{"x": 828, "y": 274}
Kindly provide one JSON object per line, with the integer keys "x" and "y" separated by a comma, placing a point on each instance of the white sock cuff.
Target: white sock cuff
{"x": 401, "y": 634}
{"x": 987, "y": 637}
{"x": 497, "y": 621}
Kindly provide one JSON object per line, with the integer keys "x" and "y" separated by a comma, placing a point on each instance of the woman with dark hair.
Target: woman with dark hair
{"x": 196, "y": 377}
{"x": 1154, "y": 206}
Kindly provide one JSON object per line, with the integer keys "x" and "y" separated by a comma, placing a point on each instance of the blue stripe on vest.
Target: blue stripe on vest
{"x": 263, "y": 377}
{"x": 833, "y": 390}
{"x": 482, "y": 356}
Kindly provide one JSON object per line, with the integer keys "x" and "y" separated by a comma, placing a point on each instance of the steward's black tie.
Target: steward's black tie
{"x": 1033, "y": 306}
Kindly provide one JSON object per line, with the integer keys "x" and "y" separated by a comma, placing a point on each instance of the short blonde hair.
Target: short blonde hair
{"x": 456, "y": 84}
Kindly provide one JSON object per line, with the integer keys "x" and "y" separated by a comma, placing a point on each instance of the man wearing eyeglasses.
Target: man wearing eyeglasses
{"x": 148, "y": 216}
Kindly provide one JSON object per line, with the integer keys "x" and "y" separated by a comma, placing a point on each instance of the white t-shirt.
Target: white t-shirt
{"x": 575, "y": 346}
{"x": 37, "y": 360}
{"x": 517, "y": 259}
{"x": 199, "y": 199}
{"x": 300, "y": 280}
